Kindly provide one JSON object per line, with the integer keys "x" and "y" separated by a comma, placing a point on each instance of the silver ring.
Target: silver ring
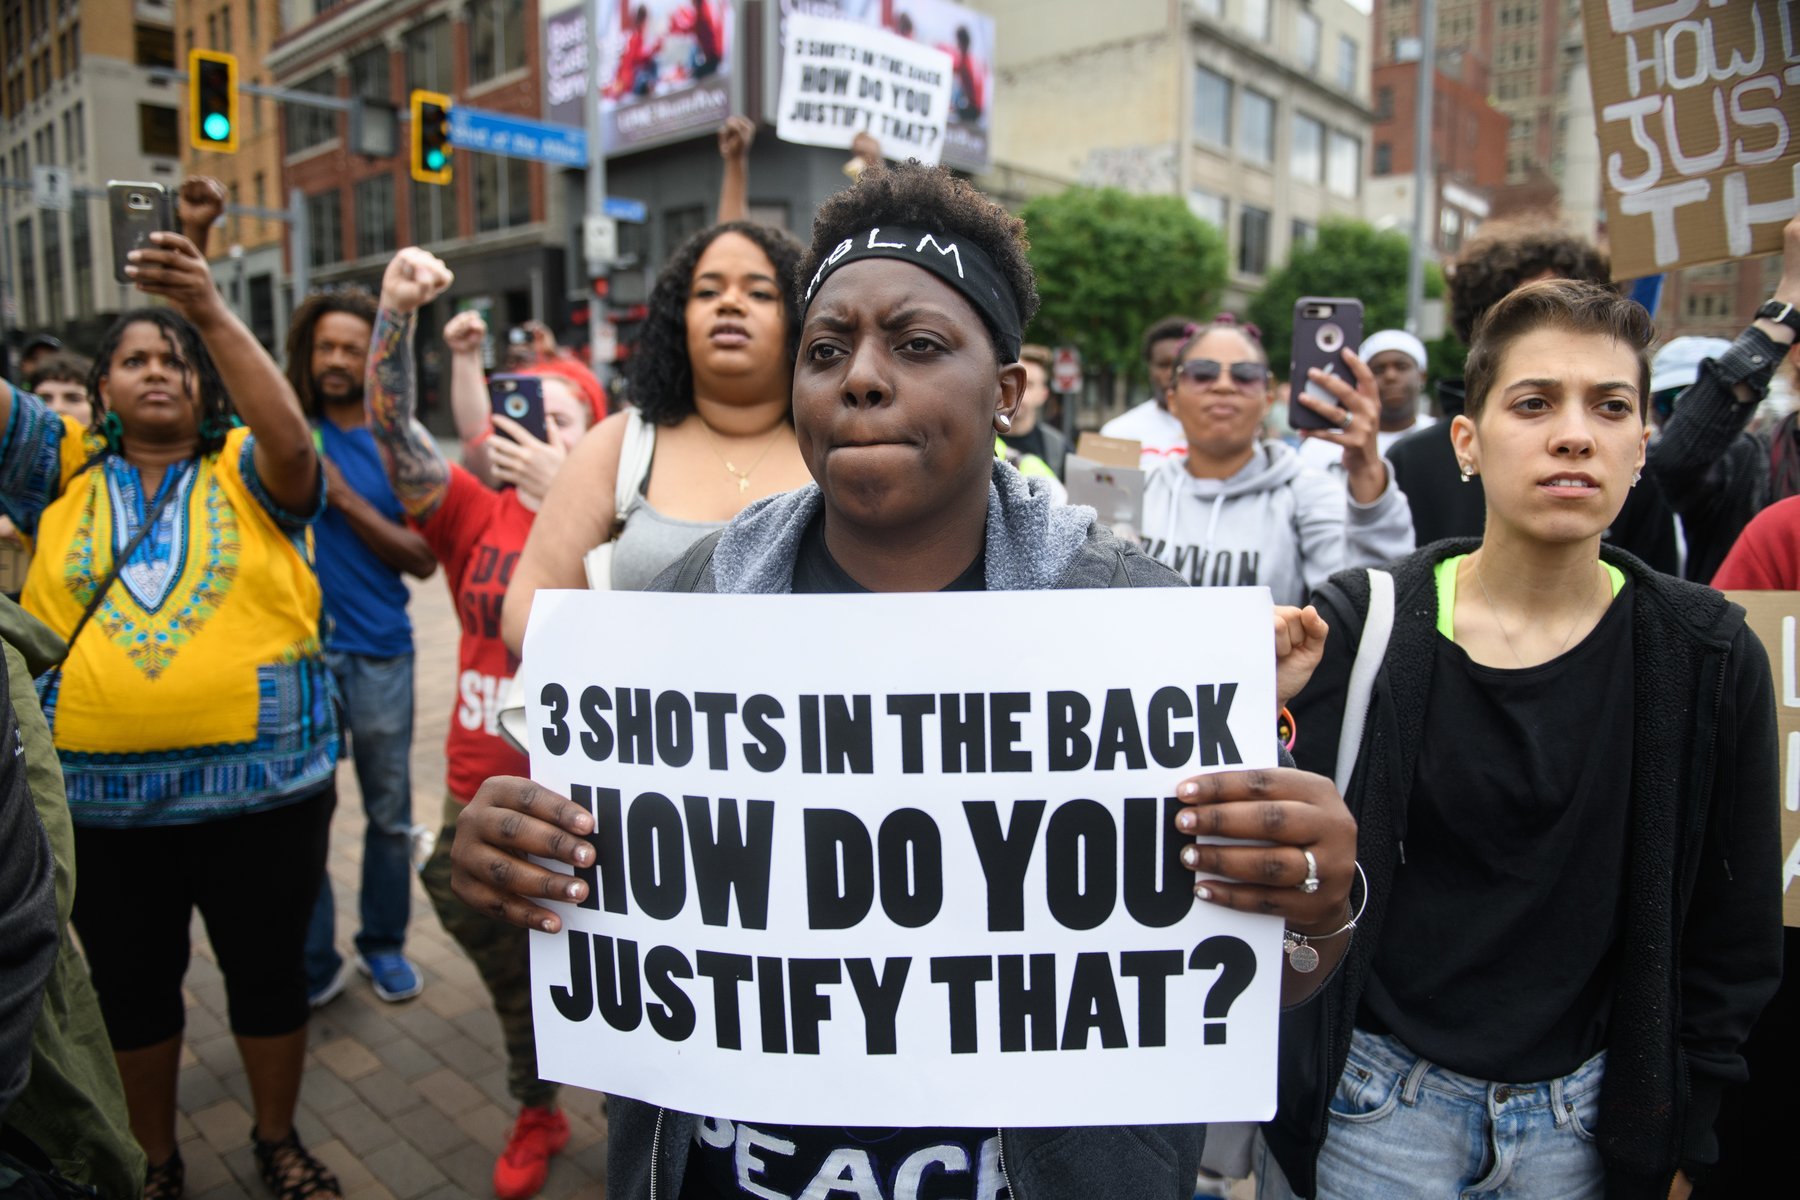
{"x": 1349, "y": 419}
{"x": 1310, "y": 884}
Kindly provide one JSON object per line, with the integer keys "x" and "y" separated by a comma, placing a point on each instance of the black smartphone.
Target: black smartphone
{"x": 520, "y": 397}
{"x": 1324, "y": 327}
{"x": 135, "y": 211}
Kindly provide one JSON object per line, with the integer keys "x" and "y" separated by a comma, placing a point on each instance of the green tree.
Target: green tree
{"x": 1347, "y": 258}
{"x": 1109, "y": 263}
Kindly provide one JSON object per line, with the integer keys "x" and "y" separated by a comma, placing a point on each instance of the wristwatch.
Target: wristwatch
{"x": 1782, "y": 313}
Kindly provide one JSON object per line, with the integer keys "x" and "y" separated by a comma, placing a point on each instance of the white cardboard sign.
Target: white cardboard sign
{"x": 841, "y": 78}
{"x": 870, "y": 860}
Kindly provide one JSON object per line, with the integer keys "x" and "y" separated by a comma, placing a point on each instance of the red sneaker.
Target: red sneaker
{"x": 535, "y": 1136}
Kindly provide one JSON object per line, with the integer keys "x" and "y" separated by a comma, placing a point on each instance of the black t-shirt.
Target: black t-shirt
{"x": 1029, "y": 443}
{"x": 733, "y": 1159}
{"x": 1500, "y": 948}
{"x": 817, "y": 573}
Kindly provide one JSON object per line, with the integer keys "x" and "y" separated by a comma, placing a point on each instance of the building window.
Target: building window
{"x": 1347, "y": 64}
{"x": 260, "y": 189}
{"x": 253, "y": 32}
{"x": 1212, "y": 107}
{"x": 1384, "y": 104}
{"x": 159, "y": 131}
{"x": 502, "y": 193}
{"x": 432, "y": 217}
{"x": 374, "y": 203}
{"x": 1209, "y": 207}
{"x": 1343, "y": 163}
{"x": 27, "y": 251}
{"x": 1306, "y": 40}
{"x": 1253, "y": 241}
{"x": 54, "y": 279}
{"x": 1301, "y": 233}
{"x": 679, "y": 224}
{"x": 496, "y": 38}
{"x": 1256, "y": 127}
{"x": 225, "y": 28}
{"x": 1211, "y": 8}
{"x": 307, "y": 126}
{"x": 81, "y": 251}
{"x": 428, "y": 57}
{"x": 324, "y": 229}
{"x": 1256, "y": 19}
{"x": 1384, "y": 158}
{"x": 369, "y": 75}
{"x": 1306, "y": 158}
{"x": 78, "y": 146}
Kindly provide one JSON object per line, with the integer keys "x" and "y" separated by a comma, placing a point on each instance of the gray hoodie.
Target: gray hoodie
{"x": 1277, "y": 523}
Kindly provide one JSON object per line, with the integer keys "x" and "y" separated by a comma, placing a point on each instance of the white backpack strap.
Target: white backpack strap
{"x": 634, "y": 460}
{"x": 1378, "y": 626}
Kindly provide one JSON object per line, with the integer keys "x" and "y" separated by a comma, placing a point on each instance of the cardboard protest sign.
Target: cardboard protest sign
{"x": 1775, "y": 616}
{"x": 1698, "y": 108}
{"x": 842, "y": 78}
{"x": 858, "y": 864}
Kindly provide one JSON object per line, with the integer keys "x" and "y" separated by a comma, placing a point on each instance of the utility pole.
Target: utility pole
{"x": 595, "y": 195}
{"x": 1424, "y": 186}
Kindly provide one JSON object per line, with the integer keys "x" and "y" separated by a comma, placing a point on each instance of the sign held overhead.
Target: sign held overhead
{"x": 841, "y": 78}
{"x": 1698, "y": 108}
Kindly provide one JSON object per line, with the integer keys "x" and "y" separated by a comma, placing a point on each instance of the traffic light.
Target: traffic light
{"x": 431, "y": 137}
{"x": 212, "y": 101}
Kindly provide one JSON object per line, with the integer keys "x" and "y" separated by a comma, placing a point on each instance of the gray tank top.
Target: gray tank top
{"x": 649, "y": 542}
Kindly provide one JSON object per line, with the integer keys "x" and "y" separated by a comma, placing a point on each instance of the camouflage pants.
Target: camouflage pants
{"x": 501, "y": 954}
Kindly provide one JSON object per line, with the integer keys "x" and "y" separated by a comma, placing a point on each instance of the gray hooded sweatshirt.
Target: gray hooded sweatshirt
{"x": 1276, "y": 523}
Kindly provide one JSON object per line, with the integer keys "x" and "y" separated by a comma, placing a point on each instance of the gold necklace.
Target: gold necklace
{"x": 742, "y": 477}
{"x": 1502, "y": 624}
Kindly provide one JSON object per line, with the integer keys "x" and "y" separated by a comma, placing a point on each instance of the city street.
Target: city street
{"x": 401, "y": 1100}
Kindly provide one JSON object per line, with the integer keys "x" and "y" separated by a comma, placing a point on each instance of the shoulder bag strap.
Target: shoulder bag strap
{"x": 1371, "y": 648}
{"x": 635, "y": 454}
{"x": 118, "y": 565}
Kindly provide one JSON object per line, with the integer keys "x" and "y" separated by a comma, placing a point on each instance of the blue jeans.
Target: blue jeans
{"x": 378, "y": 723}
{"x": 1402, "y": 1126}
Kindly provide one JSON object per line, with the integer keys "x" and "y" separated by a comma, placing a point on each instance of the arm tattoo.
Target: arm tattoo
{"x": 416, "y": 469}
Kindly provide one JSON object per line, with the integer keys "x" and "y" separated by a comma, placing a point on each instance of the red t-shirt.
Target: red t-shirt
{"x": 477, "y": 533}
{"x": 1766, "y": 557}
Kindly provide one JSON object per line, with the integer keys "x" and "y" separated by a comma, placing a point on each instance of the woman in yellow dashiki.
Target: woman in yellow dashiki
{"x": 193, "y": 713}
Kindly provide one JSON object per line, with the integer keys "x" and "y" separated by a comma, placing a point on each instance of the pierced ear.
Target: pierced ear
{"x": 1011, "y": 394}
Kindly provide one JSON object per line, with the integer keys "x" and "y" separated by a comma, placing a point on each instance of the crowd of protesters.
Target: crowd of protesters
{"x": 1549, "y": 929}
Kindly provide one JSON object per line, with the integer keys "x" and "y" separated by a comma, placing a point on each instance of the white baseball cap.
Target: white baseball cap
{"x": 1677, "y": 364}
{"x": 1393, "y": 339}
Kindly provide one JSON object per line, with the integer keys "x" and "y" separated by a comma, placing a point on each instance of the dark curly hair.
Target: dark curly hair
{"x": 932, "y": 199}
{"x": 216, "y": 415}
{"x": 356, "y": 301}
{"x": 1507, "y": 253}
{"x": 658, "y": 374}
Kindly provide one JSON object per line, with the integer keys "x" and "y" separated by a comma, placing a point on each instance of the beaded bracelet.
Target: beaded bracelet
{"x": 1300, "y": 954}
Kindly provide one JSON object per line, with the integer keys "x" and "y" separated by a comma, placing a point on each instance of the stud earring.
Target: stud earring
{"x": 1002, "y": 422}
{"x": 1636, "y": 476}
{"x": 1465, "y": 470}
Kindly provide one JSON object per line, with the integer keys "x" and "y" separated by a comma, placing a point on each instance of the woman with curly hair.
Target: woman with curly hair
{"x": 192, "y": 711}
{"x": 916, "y": 291}
{"x": 710, "y": 430}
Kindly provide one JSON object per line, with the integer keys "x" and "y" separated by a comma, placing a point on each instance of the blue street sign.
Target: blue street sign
{"x": 632, "y": 212}
{"x": 517, "y": 137}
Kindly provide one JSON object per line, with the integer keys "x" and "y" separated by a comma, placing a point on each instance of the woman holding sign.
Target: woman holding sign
{"x": 917, "y": 291}
{"x": 1566, "y": 786}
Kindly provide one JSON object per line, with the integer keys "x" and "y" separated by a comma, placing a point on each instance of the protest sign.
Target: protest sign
{"x": 842, "y": 78}
{"x": 1775, "y": 617}
{"x": 665, "y": 69}
{"x": 963, "y": 33}
{"x": 1697, "y": 106}
{"x": 858, "y": 864}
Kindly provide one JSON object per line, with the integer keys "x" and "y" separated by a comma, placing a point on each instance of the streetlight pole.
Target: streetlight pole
{"x": 1424, "y": 189}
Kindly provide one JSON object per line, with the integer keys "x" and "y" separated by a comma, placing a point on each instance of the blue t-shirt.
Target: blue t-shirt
{"x": 365, "y": 599}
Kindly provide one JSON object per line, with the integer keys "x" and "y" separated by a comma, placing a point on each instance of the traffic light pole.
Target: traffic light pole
{"x": 595, "y": 194}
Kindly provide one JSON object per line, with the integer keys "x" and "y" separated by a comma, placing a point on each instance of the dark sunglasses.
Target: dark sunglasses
{"x": 1202, "y": 371}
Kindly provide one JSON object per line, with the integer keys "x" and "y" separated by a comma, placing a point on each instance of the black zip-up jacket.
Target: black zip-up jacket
{"x": 1712, "y": 471}
{"x": 1700, "y": 951}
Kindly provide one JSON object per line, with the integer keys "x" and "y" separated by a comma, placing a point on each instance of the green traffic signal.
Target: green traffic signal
{"x": 217, "y": 126}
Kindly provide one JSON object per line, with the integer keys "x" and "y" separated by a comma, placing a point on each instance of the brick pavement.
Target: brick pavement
{"x": 401, "y": 1100}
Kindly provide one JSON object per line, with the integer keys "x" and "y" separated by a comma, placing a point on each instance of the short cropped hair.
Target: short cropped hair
{"x": 928, "y": 198}
{"x": 1560, "y": 304}
{"x": 1034, "y": 353}
{"x": 1169, "y": 329}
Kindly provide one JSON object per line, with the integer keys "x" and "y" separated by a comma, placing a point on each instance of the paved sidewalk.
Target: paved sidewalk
{"x": 401, "y": 1100}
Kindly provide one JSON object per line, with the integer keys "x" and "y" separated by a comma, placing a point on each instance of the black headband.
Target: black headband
{"x": 957, "y": 261}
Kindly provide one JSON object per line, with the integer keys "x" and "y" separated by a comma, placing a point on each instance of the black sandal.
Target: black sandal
{"x": 291, "y": 1173}
{"x": 167, "y": 1180}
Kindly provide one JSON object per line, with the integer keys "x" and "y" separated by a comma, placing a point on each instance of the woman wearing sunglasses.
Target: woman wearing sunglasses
{"x": 1240, "y": 512}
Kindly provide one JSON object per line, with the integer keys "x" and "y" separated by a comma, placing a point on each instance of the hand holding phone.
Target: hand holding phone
{"x": 520, "y": 398}
{"x": 1324, "y": 327}
{"x": 134, "y": 212}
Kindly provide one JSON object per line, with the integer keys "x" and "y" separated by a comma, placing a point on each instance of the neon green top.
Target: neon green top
{"x": 1445, "y": 576}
